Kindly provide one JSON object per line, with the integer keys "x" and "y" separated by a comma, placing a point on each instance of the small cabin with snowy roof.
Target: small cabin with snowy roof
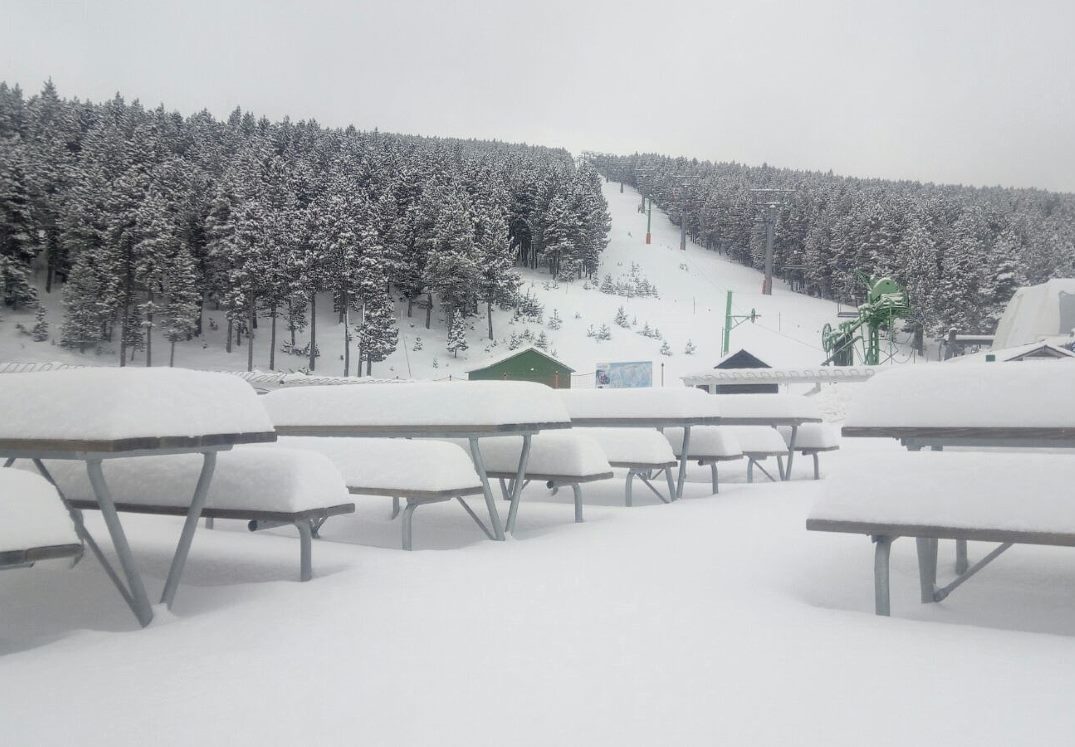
{"x": 525, "y": 364}
{"x": 744, "y": 359}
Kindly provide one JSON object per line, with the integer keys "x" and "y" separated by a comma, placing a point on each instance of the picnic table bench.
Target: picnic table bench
{"x": 813, "y": 439}
{"x": 265, "y": 488}
{"x": 419, "y": 472}
{"x": 710, "y": 444}
{"x": 34, "y": 524}
{"x": 771, "y": 410}
{"x": 558, "y": 459}
{"x": 96, "y": 414}
{"x": 1007, "y": 499}
{"x": 473, "y": 411}
{"x": 652, "y": 408}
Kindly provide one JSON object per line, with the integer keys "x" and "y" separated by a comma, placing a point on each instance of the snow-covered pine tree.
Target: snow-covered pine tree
{"x": 666, "y": 349}
{"x": 555, "y": 322}
{"x": 542, "y": 341}
{"x": 689, "y": 349}
{"x": 40, "y": 330}
{"x": 604, "y": 333}
{"x": 18, "y": 245}
{"x": 457, "y": 335}
{"x": 417, "y": 345}
{"x": 621, "y": 318}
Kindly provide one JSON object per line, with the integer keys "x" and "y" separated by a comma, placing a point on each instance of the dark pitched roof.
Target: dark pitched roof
{"x": 490, "y": 362}
{"x": 741, "y": 359}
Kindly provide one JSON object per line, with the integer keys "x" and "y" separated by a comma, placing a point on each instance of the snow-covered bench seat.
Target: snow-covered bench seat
{"x": 709, "y": 444}
{"x": 559, "y": 459}
{"x": 644, "y": 453}
{"x": 34, "y": 524}
{"x": 262, "y": 486}
{"x": 422, "y": 472}
{"x": 758, "y": 443}
{"x": 1010, "y": 498}
{"x": 811, "y": 440}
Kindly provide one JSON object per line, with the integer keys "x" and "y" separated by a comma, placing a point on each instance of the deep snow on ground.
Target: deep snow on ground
{"x": 714, "y": 620}
{"x": 692, "y": 286}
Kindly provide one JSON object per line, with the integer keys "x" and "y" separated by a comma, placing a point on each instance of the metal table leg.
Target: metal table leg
{"x": 137, "y": 597}
{"x": 683, "y": 463}
{"x": 517, "y": 485}
{"x": 791, "y": 453}
{"x": 490, "y": 502}
{"x": 201, "y": 492}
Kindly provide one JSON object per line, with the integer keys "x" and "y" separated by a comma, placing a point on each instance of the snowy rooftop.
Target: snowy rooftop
{"x": 972, "y": 395}
{"x": 116, "y": 404}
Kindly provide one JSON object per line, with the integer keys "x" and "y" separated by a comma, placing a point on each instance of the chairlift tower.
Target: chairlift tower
{"x": 770, "y": 200}
{"x": 646, "y": 174}
{"x": 684, "y": 180}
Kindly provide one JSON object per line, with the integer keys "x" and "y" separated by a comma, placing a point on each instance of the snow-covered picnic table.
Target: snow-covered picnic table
{"x": 773, "y": 410}
{"x": 472, "y": 410}
{"x": 1028, "y": 404}
{"x": 675, "y": 407}
{"x": 1024, "y": 404}
{"x": 93, "y": 414}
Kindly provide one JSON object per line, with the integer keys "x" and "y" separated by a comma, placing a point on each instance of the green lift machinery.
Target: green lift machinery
{"x": 886, "y": 301}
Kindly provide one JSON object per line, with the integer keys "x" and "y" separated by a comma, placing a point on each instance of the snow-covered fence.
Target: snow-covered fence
{"x": 817, "y": 376}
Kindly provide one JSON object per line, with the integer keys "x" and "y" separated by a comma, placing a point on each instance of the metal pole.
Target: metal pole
{"x": 683, "y": 221}
{"x": 727, "y": 324}
{"x": 649, "y": 219}
{"x": 767, "y": 288}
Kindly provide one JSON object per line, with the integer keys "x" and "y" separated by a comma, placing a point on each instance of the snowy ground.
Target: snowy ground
{"x": 717, "y": 619}
{"x": 692, "y": 288}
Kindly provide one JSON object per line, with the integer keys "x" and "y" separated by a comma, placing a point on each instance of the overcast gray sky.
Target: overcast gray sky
{"x": 952, "y": 91}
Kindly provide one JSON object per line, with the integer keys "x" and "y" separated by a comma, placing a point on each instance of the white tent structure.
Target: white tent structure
{"x": 1036, "y": 313}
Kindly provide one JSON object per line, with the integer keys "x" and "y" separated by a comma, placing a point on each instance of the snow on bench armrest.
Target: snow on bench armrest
{"x": 706, "y": 441}
{"x": 768, "y": 406}
{"x": 633, "y": 445}
{"x": 1026, "y": 394}
{"x": 813, "y": 436}
{"x": 31, "y": 513}
{"x": 568, "y": 454}
{"x": 641, "y": 404}
{"x": 472, "y": 403}
{"x": 756, "y": 439}
{"x": 113, "y": 404}
{"x": 968, "y": 490}
{"x": 252, "y": 478}
{"x": 393, "y": 463}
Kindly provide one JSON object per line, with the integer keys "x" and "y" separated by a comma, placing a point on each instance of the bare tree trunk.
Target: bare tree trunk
{"x": 369, "y": 365}
{"x": 171, "y": 356}
{"x": 227, "y": 345}
{"x": 347, "y": 345}
{"x": 149, "y": 334}
{"x": 313, "y": 330}
{"x": 250, "y": 336}
{"x": 429, "y": 308}
{"x": 272, "y": 341}
{"x": 489, "y": 310}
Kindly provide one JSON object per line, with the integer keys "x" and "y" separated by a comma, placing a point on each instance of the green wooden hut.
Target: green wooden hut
{"x": 525, "y": 364}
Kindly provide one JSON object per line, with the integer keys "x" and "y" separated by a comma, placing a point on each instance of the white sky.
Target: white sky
{"x": 952, "y": 90}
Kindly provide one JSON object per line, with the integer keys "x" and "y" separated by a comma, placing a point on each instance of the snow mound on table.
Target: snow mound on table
{"x": 634, "y": 445}
{"x": 1011, "y": 491}
{"x": 972, "y": 395}
{"x": 393, "y": 463}
{"x": 812, "y": 436}
{"x": 471, "y": 403}
{"x": 706, "y": 441}
{"x": 768, "y": 406}
{"x": 247, "y": 477}
{"x": 31, "y": 513}
{"x": 119, "y": 403}
{"x": 756, "y": 439}
{"x": 678, "y": 402}
{"x": 555, "y": 453}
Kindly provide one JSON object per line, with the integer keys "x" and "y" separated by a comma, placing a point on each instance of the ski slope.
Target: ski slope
{"x": 692, "y": 286}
